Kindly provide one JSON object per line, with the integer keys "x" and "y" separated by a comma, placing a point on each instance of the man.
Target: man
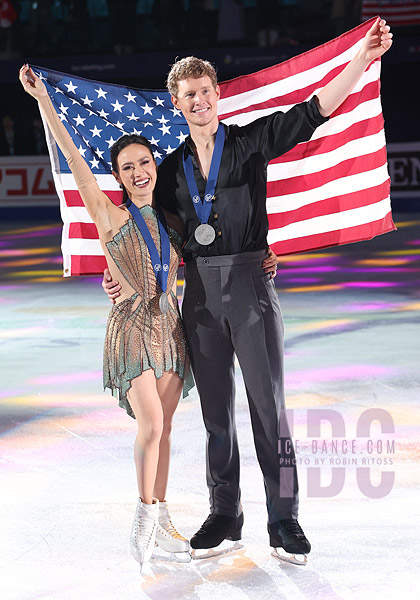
{"x": 230, "y": 306}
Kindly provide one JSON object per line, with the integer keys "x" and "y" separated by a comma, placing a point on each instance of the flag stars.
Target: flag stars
{"x": 175, "y": 112}
{"x": 165, "y": 129}
{"x": 133, "y": 117}
{"x": 119, "y": 125}
{"x": 154, "y": 142}
{"x": 147, "y": 109}
{"x": 157, "y": 154}
{"x": 79, "y": 120}
{"x": 136, "y": 131}
{"x": 70, "y": 87}
{"x": 162, "y": 120}
{"x": 94, "y": 163}
{"x": 87, "y": 101}
{"x": 102, "y": 113}
{"x": 168, "y": 150}
{"x": 117, "y": 106}
{"x": 82, "y": 150}
{"x": 110, "y": 142}
{"x": 158, "y": 101}
{"x": 99, "y": 153}
{"x": 101, "y": 93}
{"x": 95, "y": 131}
{"x": 181, "y": 137}
{"x": 130, "y": 97}
{"x": 58, "y": 91}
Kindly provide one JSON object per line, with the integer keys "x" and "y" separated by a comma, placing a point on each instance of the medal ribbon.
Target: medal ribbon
{"x": 160, "y": 265}
{"x": 203, "y": 208}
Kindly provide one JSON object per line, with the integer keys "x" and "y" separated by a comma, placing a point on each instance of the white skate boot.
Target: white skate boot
{"x": 168, "y": 538}
{"x": 143, "y": 531}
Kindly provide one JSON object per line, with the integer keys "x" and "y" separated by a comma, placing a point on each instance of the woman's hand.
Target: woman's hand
{"x": 32, "y": 84}
{"x": 376, "y": 41}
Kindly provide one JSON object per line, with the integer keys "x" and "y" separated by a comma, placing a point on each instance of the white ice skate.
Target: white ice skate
{"x": 169, "y": 540}
{"x": 143, "y": 531}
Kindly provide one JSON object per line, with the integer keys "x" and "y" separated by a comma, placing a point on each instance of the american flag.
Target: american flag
{"x": 398, "y": 13}
{"x": 331, "y": 190}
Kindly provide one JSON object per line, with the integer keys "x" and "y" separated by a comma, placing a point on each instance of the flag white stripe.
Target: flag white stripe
{"x": 65, "y": 250}
{"x": 334, "y": 222}
{"x": 348, "y": 185}
{"x": 82, "y": 247}
{"x": 105, "y": 182}
{"x": 75, "y": 214}
{"x": 362, "y": 112}
{"x": 317, "y": 162}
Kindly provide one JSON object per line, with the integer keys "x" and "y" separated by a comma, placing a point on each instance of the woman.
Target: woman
{"x": 145, "y": 354}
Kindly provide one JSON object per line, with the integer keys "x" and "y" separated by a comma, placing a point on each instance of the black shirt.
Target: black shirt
{"x": 238, "y": 213}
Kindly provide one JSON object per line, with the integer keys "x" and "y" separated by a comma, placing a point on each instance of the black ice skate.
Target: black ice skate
{"x": 288, "y": 535}
{"x": 208, "y": 541}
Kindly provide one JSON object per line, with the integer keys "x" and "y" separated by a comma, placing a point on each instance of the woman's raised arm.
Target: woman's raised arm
{"x": 96, "y": 202}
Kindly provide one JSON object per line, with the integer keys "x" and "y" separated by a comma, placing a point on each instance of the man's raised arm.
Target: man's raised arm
{"x": 375, "y": 43}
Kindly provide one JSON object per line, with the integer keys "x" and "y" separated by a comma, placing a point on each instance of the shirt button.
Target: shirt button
{"x": 205, "y": 261}
{"x": 215, "y": 216}
{"x": 219, "y": 234}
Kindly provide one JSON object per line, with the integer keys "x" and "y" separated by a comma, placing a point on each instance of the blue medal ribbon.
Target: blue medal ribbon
{"x": 160, "y": 264}
{"x": 203, "y": 208}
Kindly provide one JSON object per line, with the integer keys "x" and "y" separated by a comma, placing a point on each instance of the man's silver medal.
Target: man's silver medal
{"x": 205, "y": 234}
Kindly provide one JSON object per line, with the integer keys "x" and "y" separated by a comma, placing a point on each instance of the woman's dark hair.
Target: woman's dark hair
{"x": 120, "y": 144}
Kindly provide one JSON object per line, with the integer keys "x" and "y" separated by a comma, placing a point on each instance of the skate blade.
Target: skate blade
{"x": 178, "y": 557}
{"x": 290, "y": 558}
{"x": 202, "y": 553}
{"x": 160, "y": 553}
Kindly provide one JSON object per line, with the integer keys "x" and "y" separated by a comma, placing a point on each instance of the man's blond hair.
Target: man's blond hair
{"x": 189, "y": 67}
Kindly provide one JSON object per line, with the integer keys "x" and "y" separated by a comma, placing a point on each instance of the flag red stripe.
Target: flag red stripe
{"x": 88, "y": 265}
{"x": 296, "y": 64}
{"x": 322, "y": 145}
{"x": 335, "y": 238}
{"x": 87, "y": 231}
{"x": 351, "y": 166}
{"x": 330, "y": 206}
{"x": 73, "y": 198}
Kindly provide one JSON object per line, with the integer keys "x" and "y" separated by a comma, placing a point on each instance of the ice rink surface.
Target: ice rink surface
{"x": 67, "y": 479}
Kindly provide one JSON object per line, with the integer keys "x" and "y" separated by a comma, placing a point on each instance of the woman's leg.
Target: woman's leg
{"x": 169, "y": 388}
{"x": 146, "y": 403}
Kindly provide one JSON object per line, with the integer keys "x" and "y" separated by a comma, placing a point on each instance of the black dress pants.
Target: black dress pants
{"x": 231, "y": 307}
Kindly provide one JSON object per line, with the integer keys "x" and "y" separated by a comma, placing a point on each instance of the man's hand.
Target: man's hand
{"x": 269, "y": 264}
{"x": 376, "y": 41}
{"x": 112, "y": 288}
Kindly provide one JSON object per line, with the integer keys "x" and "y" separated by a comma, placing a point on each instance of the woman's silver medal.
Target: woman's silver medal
{"x": 164, "y": 303}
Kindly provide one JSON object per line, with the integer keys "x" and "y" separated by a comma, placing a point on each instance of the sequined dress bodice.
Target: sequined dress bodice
{"x": 131, "y": 255}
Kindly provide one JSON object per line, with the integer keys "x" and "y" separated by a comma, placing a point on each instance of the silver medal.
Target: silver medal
{"x": 164, "y": 303}
{"x": 205, "y": 234}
